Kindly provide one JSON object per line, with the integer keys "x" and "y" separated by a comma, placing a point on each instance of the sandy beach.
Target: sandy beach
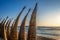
{"x": 40, "y": 38}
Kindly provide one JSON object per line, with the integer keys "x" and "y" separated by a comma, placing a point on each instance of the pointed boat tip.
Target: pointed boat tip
{"x": 24, "y": 7}
{"x": 11, "y": 19}
{"x": 7, "y": 17}
{"x": 29, "y": 9}
{"x": 36, "y": 3}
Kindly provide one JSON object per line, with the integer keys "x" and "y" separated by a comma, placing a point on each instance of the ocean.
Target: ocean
{"x": 49, "y": 32}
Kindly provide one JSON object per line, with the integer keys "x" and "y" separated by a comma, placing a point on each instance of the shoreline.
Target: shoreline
{"x": 44, "y": 38}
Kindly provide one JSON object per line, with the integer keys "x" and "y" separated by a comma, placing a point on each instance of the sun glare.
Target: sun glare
{"x": 58, "y": 19}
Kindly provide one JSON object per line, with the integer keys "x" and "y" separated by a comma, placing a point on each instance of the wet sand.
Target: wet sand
{"x": 40, "y": 38}
{"x": 44, "y": 38}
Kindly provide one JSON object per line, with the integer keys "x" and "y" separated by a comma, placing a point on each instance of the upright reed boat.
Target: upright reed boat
{"x": 14, "y": 32}
{"x": 32, "y": 25}
{"x": 22, "y": 35}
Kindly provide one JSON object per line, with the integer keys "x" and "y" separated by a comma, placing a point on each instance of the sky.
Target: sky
{"x": 48, "y": 11}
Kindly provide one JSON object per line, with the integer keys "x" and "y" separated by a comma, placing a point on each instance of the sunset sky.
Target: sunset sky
{"x": 48, "y": 11}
